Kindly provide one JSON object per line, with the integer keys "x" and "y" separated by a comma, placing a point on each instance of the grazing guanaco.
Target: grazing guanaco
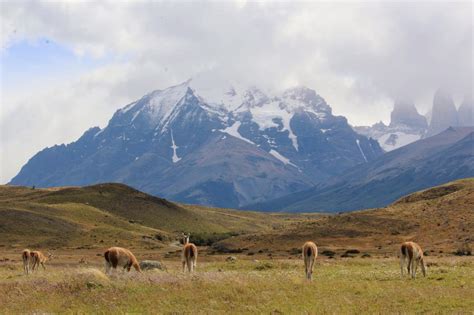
{"x": 25, "y": 256}
{"x": 189, "y": 256}
{"x": 38, "y": 258}
{"x": 310, "y": 252}
{"x": 411, "y": 254}
{"x": 118, "y": 256}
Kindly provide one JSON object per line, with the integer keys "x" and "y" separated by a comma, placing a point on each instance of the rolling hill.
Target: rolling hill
{"x": 440, "y": 218}
{"x": 105, "y": 214}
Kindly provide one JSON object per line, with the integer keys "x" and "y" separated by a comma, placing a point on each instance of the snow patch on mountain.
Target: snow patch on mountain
{"x": 135, "y": 116}
{"x": 162, "y": 103}
{"x": 392, "y": 141}
{"x": 128, "y": 107}
{"x": 175, "y": 157}
{"x": 266, "y": 115}
{"x": 280, "y": 157}
{"x": 360, "y": 149}
{"x": 234, "y": 132}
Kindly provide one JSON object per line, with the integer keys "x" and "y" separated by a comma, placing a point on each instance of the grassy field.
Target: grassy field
{"x": 352, "y": 285}
{"x": 78, "y": 224}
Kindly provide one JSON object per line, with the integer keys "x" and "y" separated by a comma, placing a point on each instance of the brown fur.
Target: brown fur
{"x": 189, "y": 255}
{"x": 38, "y": 258}
{"x": 310, "y": 252}
{"x": 26, "y": 257}
{"x": 118, "y": 256}
{"x": 412, "y": 254}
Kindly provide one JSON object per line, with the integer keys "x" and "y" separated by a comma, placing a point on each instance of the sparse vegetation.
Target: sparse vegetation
{"x": 341, "y": 286}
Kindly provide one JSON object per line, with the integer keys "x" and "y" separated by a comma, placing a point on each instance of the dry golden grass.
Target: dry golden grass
{"x": 341, "y": 286}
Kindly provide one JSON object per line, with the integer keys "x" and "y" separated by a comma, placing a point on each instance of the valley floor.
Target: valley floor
{"x": 350, "y": 285}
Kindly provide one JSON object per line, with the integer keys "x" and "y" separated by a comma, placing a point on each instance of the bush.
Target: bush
{"x": 225, "y": 248}
{"x": 328, "y": 253}
{"x": 264, "y": 266}
{"x": 464, "y": 250}
{"x": 346, "y": 255}
{"x": 208, "y": 239}
{"x": 295, "y": 251}
{"x": 352, "y": 251}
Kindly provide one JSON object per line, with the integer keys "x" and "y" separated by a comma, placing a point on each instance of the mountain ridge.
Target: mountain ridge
{"x": 388, "y": 177}
{"x": 163, "y": 133}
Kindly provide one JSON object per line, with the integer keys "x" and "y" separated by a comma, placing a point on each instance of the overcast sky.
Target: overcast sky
{"x": 68, "y": 66}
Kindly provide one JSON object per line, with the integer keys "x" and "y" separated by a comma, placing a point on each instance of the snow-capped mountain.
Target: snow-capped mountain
{"x": 224, "y": 146}
{"x": 406, "y": 126}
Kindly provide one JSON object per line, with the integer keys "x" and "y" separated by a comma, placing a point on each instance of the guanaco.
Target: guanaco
{"x": 411, "y": 254}
{"x": 189, "y": 255}
{"x": 310, "y": 252}
{"x": 118, "y": 256}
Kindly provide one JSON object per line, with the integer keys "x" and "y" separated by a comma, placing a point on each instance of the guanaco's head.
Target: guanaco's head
{"x": 50, "y": 255}
{"x": 185, "y": 238}
{"x": 136, "y": 265}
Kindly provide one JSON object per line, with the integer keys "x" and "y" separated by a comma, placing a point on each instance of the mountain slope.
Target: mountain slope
{"x": 431, "y": 161}
{"x": 227, "y": 148}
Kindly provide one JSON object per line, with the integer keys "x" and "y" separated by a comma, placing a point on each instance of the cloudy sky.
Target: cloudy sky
{"x": 67, "y": 66}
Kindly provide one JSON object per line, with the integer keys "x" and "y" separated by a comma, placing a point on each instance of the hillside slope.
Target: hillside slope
{"x": 109, "y": 214}
{"x": 441, "y": 219}
{"x": 425, "y": 163}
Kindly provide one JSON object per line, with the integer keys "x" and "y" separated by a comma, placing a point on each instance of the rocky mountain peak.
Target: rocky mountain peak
{"x": 444, "y": 113}
{"x": 405, "y": 113}
{"x": 466, "y": 112}
{"x": 221, "y": 145}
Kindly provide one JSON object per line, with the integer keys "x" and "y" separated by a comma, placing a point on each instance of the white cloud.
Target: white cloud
{"x": 358, "y": 56}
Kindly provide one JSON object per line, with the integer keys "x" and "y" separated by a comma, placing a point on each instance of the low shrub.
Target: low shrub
{"x": 208, "y": 239}
{"x": 328, "y": 253}
{"x": 464, "y": 250}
